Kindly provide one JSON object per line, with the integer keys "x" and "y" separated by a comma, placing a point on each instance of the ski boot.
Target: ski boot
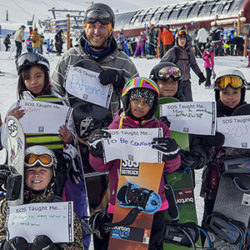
{"x": 132, "y": 196}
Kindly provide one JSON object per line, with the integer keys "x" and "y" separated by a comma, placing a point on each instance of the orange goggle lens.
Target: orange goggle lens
{"x": 226, "y": 81}
{"x": 32, "y": 159}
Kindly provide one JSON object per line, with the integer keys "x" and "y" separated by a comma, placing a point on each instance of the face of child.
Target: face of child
{"x": 35, "y": 80}
{"x": 167, "y": 88}
{"x": 38, "y": 178}
{"x": 139, "y": 107}
{"x": 230, "y": 97}
{"x": 182, "y": 41}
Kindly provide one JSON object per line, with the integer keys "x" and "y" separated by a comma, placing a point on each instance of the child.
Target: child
{"x": 39, "y": 175}
{"x": 140, "y": 100}
{"x": 167, "y": 76}
{"x": 229, "y": 95}
{"x": 140, "y": 44}
{"x": 208, "y": 57}
{"x": 34, "y": 80}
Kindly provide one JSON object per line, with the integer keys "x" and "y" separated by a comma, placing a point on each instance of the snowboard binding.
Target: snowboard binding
{"x": 132, "y": 196}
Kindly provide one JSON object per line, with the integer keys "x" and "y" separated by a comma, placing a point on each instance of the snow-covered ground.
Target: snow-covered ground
{"x": 8, "y": 86}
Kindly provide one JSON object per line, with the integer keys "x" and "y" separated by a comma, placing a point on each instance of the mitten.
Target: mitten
{"x": 43, "y": 242}
{"x": 15, "y": 243}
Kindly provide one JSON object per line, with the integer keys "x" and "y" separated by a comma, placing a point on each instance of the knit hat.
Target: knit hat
{"x": 146, "y": 94}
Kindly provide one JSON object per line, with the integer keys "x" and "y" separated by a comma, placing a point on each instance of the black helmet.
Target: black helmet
{"x": 29, "y": 59}
{"x": 175, "y": 71}
{"x": 98, "y": 13}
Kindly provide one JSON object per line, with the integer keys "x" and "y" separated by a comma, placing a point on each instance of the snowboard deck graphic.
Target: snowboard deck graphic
{"x": 135, "y": 236}
{"x": 16, "y": 146}
{"x": 182, "y": 183}
{"x": 232, "y": 201}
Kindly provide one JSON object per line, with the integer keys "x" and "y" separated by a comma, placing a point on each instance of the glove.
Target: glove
{"x": 216, "y": 140}
{"x": 15, "y": 243}
{"x": 42, "y": 242}
{"x": 5, "y": 171}
{"x": 192, "y": 160}
{"x": 75, "y": 172}
{"x": 95, "y": 142}
{"x": 167, "y": 146}
{"x": 165, "y": 120}
{"x": 202, "y": 78}
{"x": 112, "y": 76}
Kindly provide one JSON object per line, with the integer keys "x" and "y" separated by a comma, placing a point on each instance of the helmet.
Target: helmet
{"x": 181, "y": 33}
{"x": 230, "y": 77}
{"x": 140, "y": 82}
{"x": 39, "y": 156}
{"x": 29, "y": 59}
{"x": 97, "y": 11}
{"x": 171, "y": 70}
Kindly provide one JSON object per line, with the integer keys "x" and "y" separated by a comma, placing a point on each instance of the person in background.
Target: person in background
{"x": 59, "y": 42}
{"x": 167, "y": 39}
{"x": 7, "y": 42}
{"x": 36, "y": 41}
{"x": 19, "y": 39}
{"x": 208, "y": 57}
{"x": 184, "y": 58}
{"x": 29, "y": 44}
{"x": 140, "y": 44}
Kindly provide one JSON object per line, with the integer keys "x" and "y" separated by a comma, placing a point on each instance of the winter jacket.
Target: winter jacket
{"x": 140, "y": 40}
{"x": 216, "y": 155}
{"x": 116, "y": 59}
{"x": 19, "y": 35}
{"x": 202, "y": 36}
{"x": 48, "y": 196}
{"x": 167, "y": 37}
{"x": 184, "y": 58}
{"x": 36, "y": 39}
{"x": 208, "y": 61}
{"x": 113, "y": 166}
{"x": 7, "y": 40}
{"x": 28, "y": 43}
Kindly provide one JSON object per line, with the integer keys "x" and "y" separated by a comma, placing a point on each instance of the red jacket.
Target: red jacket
{"x": 113, "y": 166}
{"x": 167, "y": 37}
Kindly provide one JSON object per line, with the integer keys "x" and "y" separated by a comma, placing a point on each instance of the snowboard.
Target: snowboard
{"x": 135, "y": 235}
{"x": 233, "y": 197}
{"x": 182, "y": 183}
{"x": 88, "y": 117}
{"x": 16, "y": 147}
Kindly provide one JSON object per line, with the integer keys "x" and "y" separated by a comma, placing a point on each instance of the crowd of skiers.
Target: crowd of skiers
{"x": 53, "y": 170}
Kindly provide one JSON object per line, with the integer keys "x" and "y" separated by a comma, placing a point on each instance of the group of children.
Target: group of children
{"x": 140, "y": 98}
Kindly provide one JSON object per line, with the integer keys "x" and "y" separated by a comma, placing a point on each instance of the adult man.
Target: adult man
{"x": 98, "y": 44}
{"x": 167, "y": 38}
{"x": 19, "y": 39}
{"x": 184, "y": 58}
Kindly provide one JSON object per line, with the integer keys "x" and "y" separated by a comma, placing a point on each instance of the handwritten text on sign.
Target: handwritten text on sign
{"x": 86, "y": 85}
{"x": 191, "y": 117}
{"x": 132, "y": 144}
{"x": 236, "y": 130}
{"x": 52, "y": 219}
{"x": 39, "y": 116}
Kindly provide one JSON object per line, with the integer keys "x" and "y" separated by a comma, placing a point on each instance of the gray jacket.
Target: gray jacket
{"x": 116, "y": 59}
{"x": 184, "y": 59}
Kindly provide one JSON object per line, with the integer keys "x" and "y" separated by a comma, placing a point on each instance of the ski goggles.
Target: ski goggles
{"x": 45, "y": 160}
{"x": 30, "y": 59}
{"x": 102, "y": 16}
{"x": 167, "y": 72}
{"x": 232, "y": 81}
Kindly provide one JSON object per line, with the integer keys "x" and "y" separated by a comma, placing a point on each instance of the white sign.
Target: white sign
{"x": 86, "y": 85}
{"x": 191, "y": 117}
{"x": 133, "y": 145}
{"x": 236, "y": 130}
{"x": 52, "y": 219}
{"x": 43, "y": 117}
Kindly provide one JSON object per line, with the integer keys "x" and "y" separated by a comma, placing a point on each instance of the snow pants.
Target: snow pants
{"x": 185, "y": 90}
{"x": 139, "y": 48}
